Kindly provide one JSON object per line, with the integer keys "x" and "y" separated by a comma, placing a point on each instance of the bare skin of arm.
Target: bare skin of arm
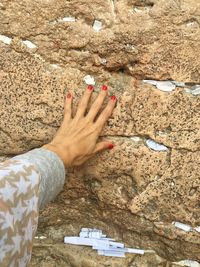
{"x": 77, "y": 138}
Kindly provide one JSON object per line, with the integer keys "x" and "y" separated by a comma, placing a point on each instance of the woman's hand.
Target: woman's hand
{"x": 76, "y": 139}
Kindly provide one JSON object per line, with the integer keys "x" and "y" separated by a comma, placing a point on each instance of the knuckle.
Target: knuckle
{"x": 98, "y": 127}
{"x": 100, "y": 121}
{"x": 88, "y": 121}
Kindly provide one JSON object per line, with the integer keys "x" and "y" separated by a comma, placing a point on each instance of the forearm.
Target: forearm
{"x": 51, "y": 170}
{"x": 27, "y": 183}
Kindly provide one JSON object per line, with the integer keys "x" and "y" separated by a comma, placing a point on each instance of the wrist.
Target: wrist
{"x": 59, "y": 153}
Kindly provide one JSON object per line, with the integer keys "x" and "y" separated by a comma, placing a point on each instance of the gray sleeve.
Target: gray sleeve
{"x": 52, "y": 172}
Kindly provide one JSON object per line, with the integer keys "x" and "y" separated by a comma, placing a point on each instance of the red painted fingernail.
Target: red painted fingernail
{"x": 90, "y": 87}
{"x": 69, "y": 95}
{"x": 113, "y": 98}
{"x": 104, "y": 88}
{"x": 110, "y": 146}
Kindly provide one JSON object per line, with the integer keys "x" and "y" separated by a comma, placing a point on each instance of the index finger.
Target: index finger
{"x": 106, "y": 113}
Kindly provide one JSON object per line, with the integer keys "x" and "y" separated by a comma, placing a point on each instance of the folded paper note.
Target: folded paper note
{"x": 98, "y": 241}
{"x": 166, "y": 86}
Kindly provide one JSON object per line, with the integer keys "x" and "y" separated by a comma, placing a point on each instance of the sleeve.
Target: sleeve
{"x": 51, "y": 169}
{"x": 27, "y": 182}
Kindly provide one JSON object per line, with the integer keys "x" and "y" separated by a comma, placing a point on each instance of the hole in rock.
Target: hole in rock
{"x": 142, "y": 5}
{"x": 193, "y": 191}
{"x": 192, "y": 23}
{"x": 122, "y": 70}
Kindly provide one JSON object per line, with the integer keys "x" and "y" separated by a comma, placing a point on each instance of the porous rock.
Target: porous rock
{"x": 132, "y": 192}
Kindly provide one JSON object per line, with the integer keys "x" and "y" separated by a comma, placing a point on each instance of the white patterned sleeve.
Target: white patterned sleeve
{"x": 19, "y": 191}
{"x": 25, "y": 184}
{"x": 51, "y": 169}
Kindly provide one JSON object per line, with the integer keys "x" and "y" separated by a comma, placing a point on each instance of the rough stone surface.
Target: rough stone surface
{"x": 132, "y": 192}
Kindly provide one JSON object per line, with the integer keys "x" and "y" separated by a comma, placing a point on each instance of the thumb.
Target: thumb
{"x": 103, "y": 146}
{"x": 98, "y": 148}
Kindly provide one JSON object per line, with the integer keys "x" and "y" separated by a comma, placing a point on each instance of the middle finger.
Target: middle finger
{"x": 96, "y": 106}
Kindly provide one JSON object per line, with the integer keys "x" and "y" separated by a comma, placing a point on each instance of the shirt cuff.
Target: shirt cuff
{"x": 52, "y": 172}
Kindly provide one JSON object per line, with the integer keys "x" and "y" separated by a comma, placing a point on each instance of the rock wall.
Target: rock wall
{"x": 133, "y": 192}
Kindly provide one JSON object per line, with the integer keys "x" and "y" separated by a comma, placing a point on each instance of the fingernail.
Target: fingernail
{"x": 69, "y": 95}
{"x": 110, "y": 146}
{"x": 113, "y": 98}
{"x": 90, "y": 87}
{"x": 104, "y": 88}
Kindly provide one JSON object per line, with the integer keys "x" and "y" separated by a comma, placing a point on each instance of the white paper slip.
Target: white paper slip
{"x": 93, "y": 233}
{"x": 188, "y": 263}
{"x": 69, "y": 19}
{"x": 116, "y": 244}
{"x": 113, "y": 254}
{"x": 179, "y": 84}
{"x": 105, "y": 246}
{"x": 100, "y": 252}
{"x": 165, "y": 86}
{"x": 182, "y": 226}
{"x": 89, "y": 80}
{"x": 97, "y": 26}
{"x": 90, "y": 233}
{"x": 197, "y": 229}
{"x": 29, "y": 44}
{"x": 136, "y": 138}
{"x": 152, "y": 82}
{"x": 124, "y": 250}
{"x": 85, "y": 241}
{"x": 90, "y": 230}
{"x": 100, "y": 247}
{"x": 195, "y": 90}
{"x": 155, "y": 146}
{"x": 5, "y": 39}
{"x": 135, "y": 251}
{"x": 107, "y": 238}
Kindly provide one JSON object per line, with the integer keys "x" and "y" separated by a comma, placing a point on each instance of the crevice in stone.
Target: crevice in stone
{"x": 113, "y": 9}
{"x": 144, "y": 3}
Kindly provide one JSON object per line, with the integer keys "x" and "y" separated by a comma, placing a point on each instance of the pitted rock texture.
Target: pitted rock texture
{"x": 131, "y": 192}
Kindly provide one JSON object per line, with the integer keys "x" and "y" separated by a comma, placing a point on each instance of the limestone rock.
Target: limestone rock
{"x": 132, "y": 192}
